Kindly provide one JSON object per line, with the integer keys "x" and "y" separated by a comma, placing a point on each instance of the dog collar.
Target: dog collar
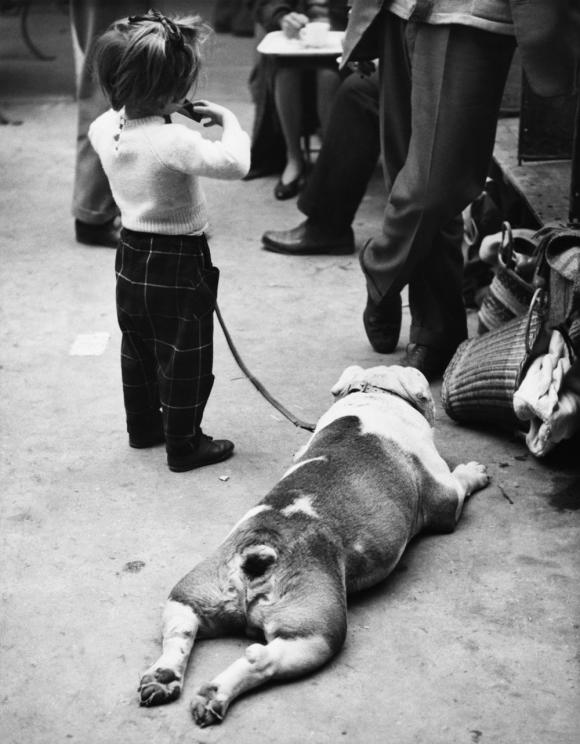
{"x": 366, "y": 387}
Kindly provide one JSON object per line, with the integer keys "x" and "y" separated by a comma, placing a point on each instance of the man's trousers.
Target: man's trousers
{"x": 440, "y": 92}
{"x": 348, "y": 156}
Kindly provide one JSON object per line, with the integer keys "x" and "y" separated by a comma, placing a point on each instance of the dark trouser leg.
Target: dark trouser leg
{"x": 166, "y": 294}
{"x": 441, "y": 88}
{"x": 138, "y": 363}
{"x": 186, "y": 379}
{"x": 348, "y": 156}
{"x": 432, "y": 321}
{"x": 140, "y": 389}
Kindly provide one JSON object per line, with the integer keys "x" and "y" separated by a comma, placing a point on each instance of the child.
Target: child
{"x": 166, "y": 283}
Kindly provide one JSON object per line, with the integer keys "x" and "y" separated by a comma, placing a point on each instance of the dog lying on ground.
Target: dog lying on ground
{"x": 338, "y": 521}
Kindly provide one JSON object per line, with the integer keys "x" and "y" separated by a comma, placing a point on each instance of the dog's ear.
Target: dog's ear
{"x": 418, "y": 390}
{"x": 350, "y": 375}
{"x": 407, "y": 382}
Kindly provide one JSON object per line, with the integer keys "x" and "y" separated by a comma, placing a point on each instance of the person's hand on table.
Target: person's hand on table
{"x": 292, "y": 23}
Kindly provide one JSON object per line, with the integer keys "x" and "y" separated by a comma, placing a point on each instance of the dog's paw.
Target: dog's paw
{"x": 159, "y": 687}
{"x": 206, "y": 708}
{"x": 473, "y": 476}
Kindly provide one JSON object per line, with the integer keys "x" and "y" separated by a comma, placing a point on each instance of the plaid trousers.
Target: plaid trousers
{"x": 166, "y": 296}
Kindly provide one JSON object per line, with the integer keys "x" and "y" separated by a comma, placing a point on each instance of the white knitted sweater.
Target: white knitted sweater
{"x": 153, "y": 169}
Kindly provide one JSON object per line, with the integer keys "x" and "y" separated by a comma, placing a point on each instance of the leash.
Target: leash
{"x": 188, "y": 110}
{"x": 256, "y": 383}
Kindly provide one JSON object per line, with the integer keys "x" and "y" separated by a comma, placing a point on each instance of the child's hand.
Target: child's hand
{"x": 291, "y": 24}
{"x": 211, "y": 113}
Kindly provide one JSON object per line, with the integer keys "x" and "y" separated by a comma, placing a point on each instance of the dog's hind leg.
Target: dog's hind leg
{"x": 163, "y": 681}
{"x": 281, "y": 658}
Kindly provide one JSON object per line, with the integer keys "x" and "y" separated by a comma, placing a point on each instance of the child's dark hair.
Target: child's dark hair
{"x": 146, "y": 62}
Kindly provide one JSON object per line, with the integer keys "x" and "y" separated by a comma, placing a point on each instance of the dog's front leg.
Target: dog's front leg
{"x": 162, "y": 682}
{"x": 279, "y": 659}
{"x": 469, "y": 477}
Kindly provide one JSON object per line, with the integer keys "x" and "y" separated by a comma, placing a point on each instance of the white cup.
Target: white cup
{"x": 315, "y": 34}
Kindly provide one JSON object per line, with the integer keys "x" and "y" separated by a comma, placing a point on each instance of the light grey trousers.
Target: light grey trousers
{"x": 92, "y": 198}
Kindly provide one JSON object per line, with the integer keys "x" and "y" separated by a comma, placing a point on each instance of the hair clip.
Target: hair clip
{"x": 174, "y": 35}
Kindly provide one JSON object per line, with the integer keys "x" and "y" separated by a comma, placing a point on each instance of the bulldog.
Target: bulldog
{"x": 368, "y": 480}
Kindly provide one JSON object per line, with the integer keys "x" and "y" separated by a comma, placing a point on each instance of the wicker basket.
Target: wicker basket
{"x": 508, "y": 297}
{"x": 481, "y": 379}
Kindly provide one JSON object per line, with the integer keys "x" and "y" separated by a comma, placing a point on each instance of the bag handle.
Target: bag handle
{"x": 506, "y": 246}
{"x": 531, "y": 244}
{"x": 538, "y": 304}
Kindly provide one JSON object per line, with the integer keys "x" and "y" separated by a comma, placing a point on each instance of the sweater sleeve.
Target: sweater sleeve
{"x": 183, "y": 149}
{"x": 269, "y": 13}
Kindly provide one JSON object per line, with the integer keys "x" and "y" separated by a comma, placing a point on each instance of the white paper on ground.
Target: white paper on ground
{"x": 89, "y": 344}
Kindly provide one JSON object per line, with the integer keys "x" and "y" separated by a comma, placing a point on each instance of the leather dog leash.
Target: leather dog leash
{"x": 256, "y": 383}
{"x": 188, "y": 110}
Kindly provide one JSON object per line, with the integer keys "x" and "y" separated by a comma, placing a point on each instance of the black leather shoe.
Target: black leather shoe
{"x": 382, "y": 322}
{"x": 284, "y": 191}
{"x": 308, "y": 240}
{"x": 207, "y": 452}
{"x": 429, "y": 360}
{"x": 106, "y": 235}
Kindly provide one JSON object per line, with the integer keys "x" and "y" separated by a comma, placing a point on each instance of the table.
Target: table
{"x": 277, "y": 44}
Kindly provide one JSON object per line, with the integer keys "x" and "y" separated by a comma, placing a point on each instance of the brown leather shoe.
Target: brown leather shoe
{"x": 382, "y": 322}
{"x": 308, "y": 239}
{"x": 207, "y": 452}
{"x": 429, "y": 360}
{"x": 106, "y": 234}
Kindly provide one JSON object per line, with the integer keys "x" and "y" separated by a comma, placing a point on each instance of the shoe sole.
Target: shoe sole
{"x": 186, "y": 468}
{"x": 337, "y": 251}
{"x": 98, "y": 243}
{"x": 383, "y": 348}
{"x": 146, "y": 445}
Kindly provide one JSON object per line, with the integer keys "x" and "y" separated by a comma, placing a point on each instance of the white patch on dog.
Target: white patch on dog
{"x": 374, "y": 419}
{"x": 358, "y": 547}
{"x": 248, "y": 515}
{"x": 301, "y": 504}
{"x": 373, "y": 422}
{"x": 291, "y": 469}
{"x": 377, "y": 418}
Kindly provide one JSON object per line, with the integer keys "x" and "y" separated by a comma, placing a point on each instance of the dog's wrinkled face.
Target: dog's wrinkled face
{"x": 407, "y": 382}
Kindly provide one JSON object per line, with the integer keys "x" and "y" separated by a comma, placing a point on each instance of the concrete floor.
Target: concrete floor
{"x": 473, "y": 639}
